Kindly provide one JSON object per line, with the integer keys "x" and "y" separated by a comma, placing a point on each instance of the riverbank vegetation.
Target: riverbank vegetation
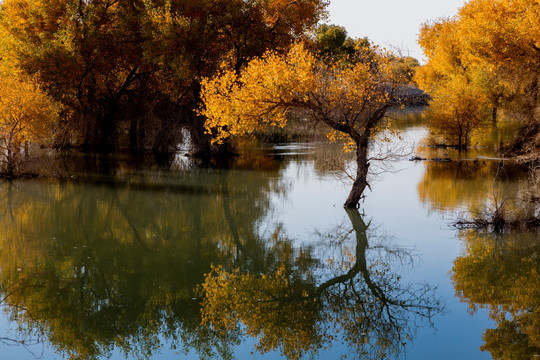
{"x": 128, "y": 73}
{"x": 205, "y": 73}
{"x": 27, "y": 116}
{"x": 504, "y": 213}
{"x": 483, "y": 68}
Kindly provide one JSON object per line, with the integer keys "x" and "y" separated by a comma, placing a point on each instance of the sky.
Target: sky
{"x": 393, "y": 23}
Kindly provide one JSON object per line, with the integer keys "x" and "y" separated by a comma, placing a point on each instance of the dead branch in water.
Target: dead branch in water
{"x": 531, "y": 223}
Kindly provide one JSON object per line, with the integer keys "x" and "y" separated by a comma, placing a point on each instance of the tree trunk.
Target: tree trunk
{"x": 494, "y": 111}
{"x": 362, "y": 167}
{"x": 134, "y": 134}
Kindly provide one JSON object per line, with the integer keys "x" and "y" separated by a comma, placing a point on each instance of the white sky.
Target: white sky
{"x": 390, "y": 22}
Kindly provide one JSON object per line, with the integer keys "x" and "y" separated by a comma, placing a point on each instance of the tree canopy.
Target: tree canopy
{"x": 484, "y": 59}
{"x": 351, "y": 99}
{"x": 133, "y": 67}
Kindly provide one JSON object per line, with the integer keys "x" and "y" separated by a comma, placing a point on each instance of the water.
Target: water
{"x": 261, "y": 261}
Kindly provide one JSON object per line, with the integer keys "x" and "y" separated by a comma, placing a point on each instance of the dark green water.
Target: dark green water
{"x": 261, "y": 261}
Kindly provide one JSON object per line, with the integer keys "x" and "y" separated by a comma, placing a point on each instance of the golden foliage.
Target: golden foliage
{"x": 111, "y": 62}
{"x": 349, "y": 99}
{"x": 457, "y": 110}
{"x": 480, "y": 60}
{"x": 266, "y": 90}
{"x": 500, "y": 273}
{"x": 459, "y": 106}
{"x": 26, "y": 115}
{"x": 502, "y": 34}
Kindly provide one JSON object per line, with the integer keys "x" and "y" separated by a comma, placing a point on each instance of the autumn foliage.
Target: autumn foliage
{"x": 129, "y": 71}
{"x": 485, "y": 59}
{"x": 351, "y": 99}
{"x": 27, "y": 114}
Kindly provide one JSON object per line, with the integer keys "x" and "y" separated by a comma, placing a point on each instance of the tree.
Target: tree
{"x": 27, "y": 114}
{"x": 459, "y": 106}
{"x": 492, "y": 46}
{"x": 405, "y": 66}
{"x": 351, "y": 99}
{"x": 502, "y": 36}
{"x": 457, "y": 110}
{"x": 133, "y": 67}
{"x": 333, "y": 41}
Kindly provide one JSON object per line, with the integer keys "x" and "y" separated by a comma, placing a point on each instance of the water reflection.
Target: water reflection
{"x": 468, "y": 185}
{"x": 92, "y": 268}
{"x": 360, "y": 300}
{"x": 502, "y": 274}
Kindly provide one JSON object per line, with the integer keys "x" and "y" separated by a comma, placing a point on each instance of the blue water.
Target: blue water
{"x": 296, "y": 194}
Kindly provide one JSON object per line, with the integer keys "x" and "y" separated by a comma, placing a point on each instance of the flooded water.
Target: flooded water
{"x": 260, "y": 260}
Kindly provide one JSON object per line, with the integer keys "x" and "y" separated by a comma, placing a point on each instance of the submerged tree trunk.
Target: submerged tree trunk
{"x": 362, "y": 167}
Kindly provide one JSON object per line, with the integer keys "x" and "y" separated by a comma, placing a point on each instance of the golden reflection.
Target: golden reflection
{"x": 92, "y": 268}
{"x": 362, "y": 300}
{"x": 501, "y": 273}
{"x": 467, "y": 185}
{"x": 89, "y": 267}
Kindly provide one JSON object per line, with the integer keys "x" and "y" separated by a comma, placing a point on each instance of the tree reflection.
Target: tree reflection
{"x": 90, "y": 267}
{"x": 451, "y": 185}
{"x": 294, "y": 309}
{"x": 501, "y": 272}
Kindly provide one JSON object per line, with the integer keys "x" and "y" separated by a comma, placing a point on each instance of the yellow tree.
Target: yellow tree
{"x": 460, "y": 100}
{"x": 26, "y": 115}
{"x": 495, "y": 46}
{"x": 134, "y": 66}
{"x": 503, "y": 36}
{"x": 458, "y": 109}
{"x": 351, "y": 100}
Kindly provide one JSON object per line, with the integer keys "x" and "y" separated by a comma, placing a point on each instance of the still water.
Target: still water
{"x": 259, "y": 260}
